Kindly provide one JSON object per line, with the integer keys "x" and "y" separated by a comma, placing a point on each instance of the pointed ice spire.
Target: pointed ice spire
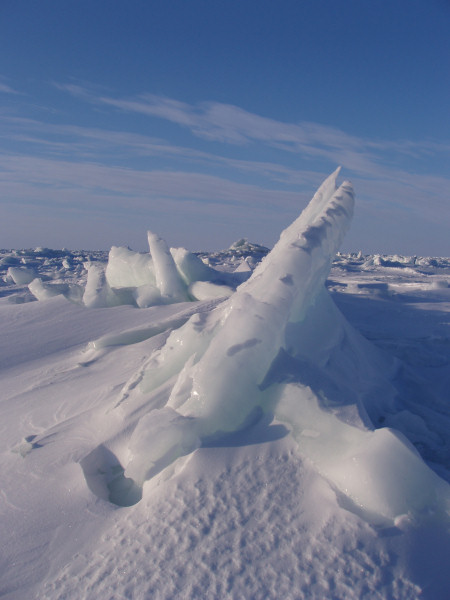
{"x": 228, "y": 357}
{"x": 168, "y": 279}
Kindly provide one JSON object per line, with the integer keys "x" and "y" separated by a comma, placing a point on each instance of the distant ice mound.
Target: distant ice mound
{"x": 280, "y": 345}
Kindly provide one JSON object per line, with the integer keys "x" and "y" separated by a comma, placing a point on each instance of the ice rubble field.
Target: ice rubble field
{"x": 220, "y": 426}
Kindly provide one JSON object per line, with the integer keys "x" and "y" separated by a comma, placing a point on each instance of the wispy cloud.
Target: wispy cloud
{"x": 368, "y": 161}
{"x": 84, "y": 143}
{"x": 367, "y": 158}
{"x": 79, "y": 168}
{"x": 232, "y": 124}
{"x": 6, "y": 89}
{"x": 75, "y": 153}
{"x": 52, "y": 178}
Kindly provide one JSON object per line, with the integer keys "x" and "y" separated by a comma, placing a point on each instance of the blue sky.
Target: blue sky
{"x": 207, "y": 121}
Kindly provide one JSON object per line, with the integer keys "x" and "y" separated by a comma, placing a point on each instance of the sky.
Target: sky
{"x": 207, "y": 121}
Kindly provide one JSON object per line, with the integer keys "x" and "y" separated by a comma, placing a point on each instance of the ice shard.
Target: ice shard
{"x": 98, "y": 293}
{"x": 168, "y": 279}
{"x": 226, "y": 380}
{"x": 227, "y": 358}
{"x": 126, "y": 268}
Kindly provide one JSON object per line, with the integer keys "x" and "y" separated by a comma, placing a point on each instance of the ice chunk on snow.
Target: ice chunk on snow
{"x": 222, "y": 386}
{"x": 244, "y": 267}
{"x": 226, "y": 380}
{"x": 98, "y": 293}
{"x": 43, "y": 292}
{"x": 21, "y": 275}
{"x": 378, "y": 470}
{"x": 168, "y": 279}
{"x": 160, "y": 437}
{"x": 204, "y": 290}
{"x": 147, "y": 295}
{"x": 129, "y": 269}
{"x": 191, "y": 267}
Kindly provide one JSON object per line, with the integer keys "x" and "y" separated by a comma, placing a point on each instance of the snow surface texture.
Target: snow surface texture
{"x": 256, "y": 446}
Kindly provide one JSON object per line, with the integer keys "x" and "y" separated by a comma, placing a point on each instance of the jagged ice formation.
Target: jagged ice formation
{"x": 279, "y": 345}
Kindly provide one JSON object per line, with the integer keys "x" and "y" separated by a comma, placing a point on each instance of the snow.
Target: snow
{"x": 221, "y": 426}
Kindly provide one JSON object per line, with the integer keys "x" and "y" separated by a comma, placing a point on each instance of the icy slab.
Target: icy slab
{"x": 41, "y": 291}
{"x": 191, "y": 267}
{"x": 159, "y": 438}
{"x": 129, "y": 269}
{"x": 45, "y": 291}
{"x": 204, "y": 290}
{"x": 225, "y": 382}
{"x": 147, "y": 295}
{"x": 98, "y": 293}
{"x": 379, "y": 471}
{"x": 168, "y": 280}
{"x": 244, "y": 267}
{"x": 21, "y": 275}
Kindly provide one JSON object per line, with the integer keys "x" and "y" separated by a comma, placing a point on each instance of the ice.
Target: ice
{"x": 191, "y": 267}
{"x": 159, "y": 438}
{"x": 379, "y": 471}
{"x": 222, "y": 387}
{"x": 98, "y": 293}
{"x": 162, "y": 276}
{"x": 147, "y": 295}
{"x": 168, "y": 280}
{"x": 202, "y": 290}
{"x": 126, "y": 278}
{"x": 129, "y": 269}
{"x": 225, "y": 382}
{"x": 41, "y": 291}
{"x": 302, "y": 485}
{"x": 21, "y": 275}
{"x": 282, "y": 326}
{"x": 244, "y": 267}
{"x": 183, "y": 346}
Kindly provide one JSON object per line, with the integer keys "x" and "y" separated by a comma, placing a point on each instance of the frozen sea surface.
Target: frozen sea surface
{"x": 272, "y": 506}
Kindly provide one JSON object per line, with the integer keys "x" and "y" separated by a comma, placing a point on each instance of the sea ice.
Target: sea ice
{"x": 282, "y": 326}
{"x": 191, "y": 267}
{"x": 21, "y": 275}
{"x": 98, "y": 293}
{"x": 267, "y": 511}
{"x": 203, "y": 290}
{"x": 126, "y": 268}
{"x": 159, "y": 438}
{"x": 168, "y": 280}
{"x": 42, "y": 291}
{"x": 379, "y": 471}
